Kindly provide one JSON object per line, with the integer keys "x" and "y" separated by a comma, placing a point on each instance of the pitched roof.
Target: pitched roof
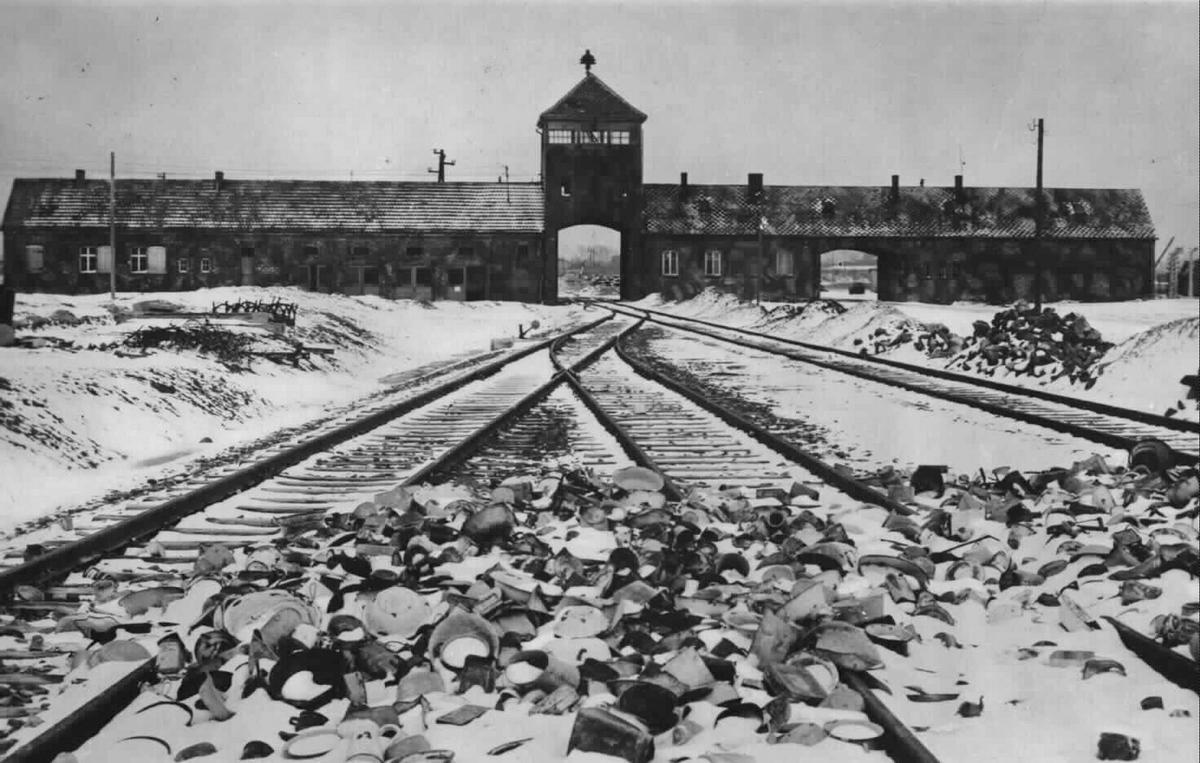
{"x": 367, "y": 206}
{"x": 592, "y": 98}
{"x": 922, "y": 211}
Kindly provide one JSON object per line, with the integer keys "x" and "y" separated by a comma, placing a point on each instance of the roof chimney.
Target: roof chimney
{"x": 754, "y": 184}
{"x": 218, "y": 181}
{"x": 958, "y": 189}
{"x": 895, "y": 189}
{"x": 80, "y": 176}
{"x": 683, "y": 185}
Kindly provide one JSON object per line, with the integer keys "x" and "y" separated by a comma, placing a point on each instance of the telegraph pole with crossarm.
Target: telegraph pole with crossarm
{"x": 441, "y": 168}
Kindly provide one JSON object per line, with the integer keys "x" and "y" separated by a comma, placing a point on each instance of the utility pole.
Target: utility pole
{"x": 1039, "y": 215}
{"x": 112, "y": 225}
{"x": 762, "y": 223}
{"x": 507, "y": 196}
{"x": 441, "y": 168}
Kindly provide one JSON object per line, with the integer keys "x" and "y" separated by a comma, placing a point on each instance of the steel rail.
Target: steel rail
{"x": 898, "y": 741}
{"x": 69, "y": 556}
{"x": 1180, "y": 670}
{"x": 1111, "y": 439}
{"x": 847, "y": 484}
{"x": 901, "y": 744}
{"x": 1092, "y": 406}
{"x": 86, "y": 720}
{"x": 619, "y": 433}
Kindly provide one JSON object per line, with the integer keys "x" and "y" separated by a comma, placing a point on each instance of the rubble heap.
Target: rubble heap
{"x": 934, "y": 340}
{"x": 1024, "y": 341}
{"x": 565, "y": 612}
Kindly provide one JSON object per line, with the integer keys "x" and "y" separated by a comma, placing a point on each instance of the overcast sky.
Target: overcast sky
{"x": 806, "y": 93}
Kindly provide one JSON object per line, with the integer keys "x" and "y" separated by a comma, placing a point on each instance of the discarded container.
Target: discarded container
{"x": 611, "y": 733}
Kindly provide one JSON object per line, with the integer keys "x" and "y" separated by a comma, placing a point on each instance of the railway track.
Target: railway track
{"x": 1098, "y": 422}
{"x": 511, "y": 415}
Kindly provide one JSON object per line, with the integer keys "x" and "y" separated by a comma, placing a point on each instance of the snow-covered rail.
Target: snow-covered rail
{"x": 1101, "y": 423}
{"x": 256, "y": 507}
{"x": 694, "y": 442}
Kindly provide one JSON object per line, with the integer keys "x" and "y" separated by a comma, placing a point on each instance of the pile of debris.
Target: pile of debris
{"x": 277, "y": 309}
{"x": 565, "y": 612}
{"x": 1023, "y": 341}
{"x": 229, "y": 347}
{"x": 934, "y": 340}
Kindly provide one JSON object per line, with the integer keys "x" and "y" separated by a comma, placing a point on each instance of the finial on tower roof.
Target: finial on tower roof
{"x": 588, "y": 61}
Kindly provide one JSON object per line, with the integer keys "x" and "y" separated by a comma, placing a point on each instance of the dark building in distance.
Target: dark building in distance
{"x": 500, "y": 241}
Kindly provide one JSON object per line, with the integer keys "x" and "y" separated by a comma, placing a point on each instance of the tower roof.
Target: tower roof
{"x": 591, "y": 98}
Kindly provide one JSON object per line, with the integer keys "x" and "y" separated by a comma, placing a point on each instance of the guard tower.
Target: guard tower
{"x": 592, "y": 169}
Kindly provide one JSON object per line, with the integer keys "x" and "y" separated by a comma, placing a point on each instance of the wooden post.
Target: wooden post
{"x": 761, "y": 265}
{"x": 1038, "y": 222}
{"x": 112, "y": 225}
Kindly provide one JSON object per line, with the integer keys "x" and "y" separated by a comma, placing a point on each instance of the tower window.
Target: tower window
{"x": 619, "y": 137}
{"x": 670, "y": 262}
{"x": 712, "y": 262}
{"x": 565, "y": 188}
{"x": 559, "y": 136}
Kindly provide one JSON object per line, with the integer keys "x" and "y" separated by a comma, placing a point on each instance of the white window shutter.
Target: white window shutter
{"x": 157, "y": 259}
{"x": 104, "y": 260}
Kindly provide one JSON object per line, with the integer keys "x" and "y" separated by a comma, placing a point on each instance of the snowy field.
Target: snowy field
{"x": 1157, "y": 342}
{"x": 76, "y": 422}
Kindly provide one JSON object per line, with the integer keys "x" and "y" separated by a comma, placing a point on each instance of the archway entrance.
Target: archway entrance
{"x": 849, "y": 274}
{"x": 589, "y": 262}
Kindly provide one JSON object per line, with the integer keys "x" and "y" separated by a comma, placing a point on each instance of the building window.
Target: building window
{"x": 205, "y": 265}
{"x": 35, "y": 258}
{"x": 248, "y": 251}
{"x": 565, "y": 188}
{"x": 88, "y": 259}
{"x": 360, "y": 251}
{"x": 784, "y": 265}
{"x": 456, "y": 276}
{"x": 466, "y": 252}
{"x": 423, "y": 276}
{"x": 712, "y": 263}
{"x": 522, "y": 253}
{"x": 828, "y": 207}
{"x": 309, "y": 252}
{"x": 184, "y": 264}
{"x": 928, "y": 271}
{"x": 560, "y": 136}
{"x": 139, "y": 260}
{"x": 370, "y": 276}
{"x": 620, "y": 137}
{"x": 414, "y": 252}
{"x": 670, "y": 262}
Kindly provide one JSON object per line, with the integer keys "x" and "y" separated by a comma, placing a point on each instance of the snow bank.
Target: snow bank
{"x": 76, "y": 421}
{"x": 1157, "y": 338}
{"x": 1144, "y": 370}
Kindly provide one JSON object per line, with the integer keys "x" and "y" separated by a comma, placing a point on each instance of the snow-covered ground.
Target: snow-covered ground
{"x": 1157, "y": 341}
{"x": 77, "y": 422}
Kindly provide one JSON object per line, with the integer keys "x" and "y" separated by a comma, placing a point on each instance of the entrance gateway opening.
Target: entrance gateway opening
{"x": 849, "y": 274}
{"x": 589, "y": 263}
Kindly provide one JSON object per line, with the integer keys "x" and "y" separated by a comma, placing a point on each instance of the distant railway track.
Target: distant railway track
{"x": 1102, "y": 423}
{"x": 471, "y": 425}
